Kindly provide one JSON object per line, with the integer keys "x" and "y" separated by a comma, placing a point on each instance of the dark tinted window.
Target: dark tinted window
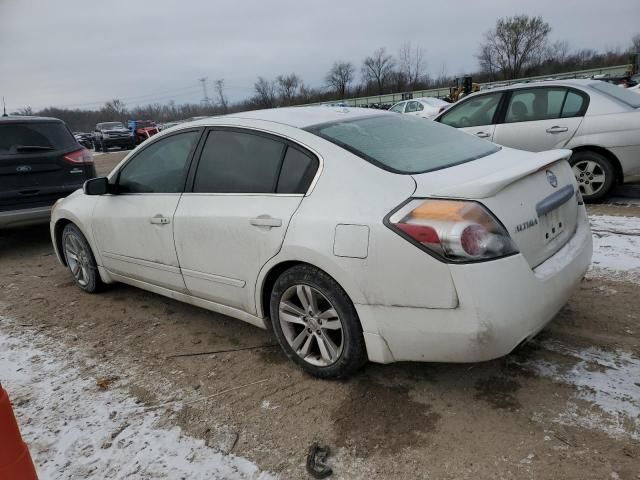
{"x": 473, "y": 112}
{"x": 19, "y": 137}
{"x": 404, "y": 143}
{"x": 236, "y": 162}
{"x": 159, "y": 168}
{"x": 297, "y": 172}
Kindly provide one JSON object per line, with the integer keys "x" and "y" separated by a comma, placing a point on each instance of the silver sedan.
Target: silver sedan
{"x": 598, "y": 121}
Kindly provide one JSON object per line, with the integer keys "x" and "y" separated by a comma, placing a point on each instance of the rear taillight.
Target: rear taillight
{"x": 79, "y": 157}
{"x": 455, "y": 230}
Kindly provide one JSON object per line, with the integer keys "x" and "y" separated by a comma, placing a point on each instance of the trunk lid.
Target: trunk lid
{"x": 532, "y": 194}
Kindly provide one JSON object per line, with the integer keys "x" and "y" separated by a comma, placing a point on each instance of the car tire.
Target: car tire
{"x": 80, "y": 260}
{"x": 595, "y": 174}
{"x": 105, "y": 149}
{"x": 316, "y": 323}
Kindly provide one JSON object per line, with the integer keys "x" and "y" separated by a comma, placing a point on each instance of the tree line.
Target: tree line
{"x": 515, "y": 47}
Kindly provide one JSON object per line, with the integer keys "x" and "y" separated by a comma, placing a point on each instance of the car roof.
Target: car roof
{"x": 569, "y": 82}
{"x": 28, "y": 118}
{"x": 298, "y": 117}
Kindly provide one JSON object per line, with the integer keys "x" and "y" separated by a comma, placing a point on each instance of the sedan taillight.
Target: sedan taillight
{"x": 79, "y": 157}
{"x": 454, "y": 230}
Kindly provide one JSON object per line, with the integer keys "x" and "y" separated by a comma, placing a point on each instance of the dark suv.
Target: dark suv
{"x": 112, "y": 134}
{"x": 40, "y": 162}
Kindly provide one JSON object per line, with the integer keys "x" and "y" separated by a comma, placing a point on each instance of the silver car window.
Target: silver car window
{"x": 535, "y": 104}
{"x": 473, "y": 111}
{"x": 397, "y": 108}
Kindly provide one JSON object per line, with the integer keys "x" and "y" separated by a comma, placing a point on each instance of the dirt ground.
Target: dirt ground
{"x": 500, "y": 419}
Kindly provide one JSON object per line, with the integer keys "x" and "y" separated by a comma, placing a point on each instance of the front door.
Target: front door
{"x": 475, "y": 115}
{"x": 134, "y": 227}
{"x": 246, "y": 188}
{"x": 538, "y": 119}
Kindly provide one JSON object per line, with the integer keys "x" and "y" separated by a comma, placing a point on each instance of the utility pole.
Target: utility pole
{"x": 4, "y": 108}
{"x": 205, "y": 100}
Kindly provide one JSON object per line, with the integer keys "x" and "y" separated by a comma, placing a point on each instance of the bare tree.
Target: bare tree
{"x": 516, "y": 43}
{"x": 487, "y": 62}
{"x": 340, "y": 77}
{"x": 221, "y": 97}
{"x": 115, "y": 108}
{"x": 288, "y": 87}
{"x": 265, "y": 96}
{"x": 378, "y": 68}
{"x": 411, "y": 63}
{"x": 635, "y": 43}
{"x": 557, "y": 52}
{"x": 26, "y": 111}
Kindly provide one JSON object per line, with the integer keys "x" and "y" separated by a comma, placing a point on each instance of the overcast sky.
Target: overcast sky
{"x": 80, "y": 53}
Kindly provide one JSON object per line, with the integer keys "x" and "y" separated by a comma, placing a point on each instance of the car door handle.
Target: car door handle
{"x": 556, "y": 129}
{"x": 266, "y": 221}
{"x": 482, "y": 135}
{"x": 159, "y": 220}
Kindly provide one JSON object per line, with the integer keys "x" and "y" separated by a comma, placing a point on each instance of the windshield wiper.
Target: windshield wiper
{"x": 23, "y": 148}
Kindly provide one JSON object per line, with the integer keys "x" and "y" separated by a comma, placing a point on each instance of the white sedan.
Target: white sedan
{"x": 355, "y": 234}
{"x": 425, "y": 107}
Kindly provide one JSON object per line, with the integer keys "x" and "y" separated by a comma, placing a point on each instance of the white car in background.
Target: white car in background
{"x": 598, "y": 121}
{"x": 425, "y": 107}
{"x": 355, "y": 234}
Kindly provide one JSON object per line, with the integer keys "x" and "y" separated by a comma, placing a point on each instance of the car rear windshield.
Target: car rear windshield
{"x": 111, "y": 126}
{"x": 619, "y": 93}
{"x": 30, "y": 137}
{"x": 404, "y": 144}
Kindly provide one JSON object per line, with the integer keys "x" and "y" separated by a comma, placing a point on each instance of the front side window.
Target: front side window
{"x": 404, "y": 143}
{"x": 159, "y": 168}
{"x": 473, "y": 112}
{"x": 398, "y": 107}
{"x": 238, "y": 162}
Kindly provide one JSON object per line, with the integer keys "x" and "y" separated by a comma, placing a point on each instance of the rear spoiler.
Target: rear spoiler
{"x": 492, "y": 183}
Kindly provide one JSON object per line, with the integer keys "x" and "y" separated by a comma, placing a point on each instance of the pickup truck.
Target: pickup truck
{"x": 112, "y": 134}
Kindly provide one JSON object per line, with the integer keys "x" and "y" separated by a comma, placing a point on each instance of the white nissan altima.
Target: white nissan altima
{"x": 355, "y": 234}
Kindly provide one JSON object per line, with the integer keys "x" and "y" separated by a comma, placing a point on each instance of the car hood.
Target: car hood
{"x": 485, "y": 176}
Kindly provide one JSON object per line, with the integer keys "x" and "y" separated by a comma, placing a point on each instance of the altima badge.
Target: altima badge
{"x": 551, "y": 177}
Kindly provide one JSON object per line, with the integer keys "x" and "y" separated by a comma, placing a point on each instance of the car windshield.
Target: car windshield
{"x": 112, "y": 126}
{"x": 30, "y": 137}
{"x": 404, "y": 144}
{"x": 619, "y": 93}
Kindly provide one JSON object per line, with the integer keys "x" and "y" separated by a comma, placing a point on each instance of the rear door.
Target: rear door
{"x": 246, "y": 187}
{"x": 40, "y": 161}
{"x": 541, "y": 118}
{"x": 134, "y": 227}
{"x": 475, "y": 115}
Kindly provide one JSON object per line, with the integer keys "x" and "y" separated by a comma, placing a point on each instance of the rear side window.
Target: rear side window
{"x": 30, "y": 137}
{"x": 573, "y": 105}
{"x": 473, "y": 112}
{"x": 298, "y": 170}
{"x": 404, "y": 143}
{"x": 160, "y": 167}
{"x": 535, "y": 104}
{"x": 237, "y": 162}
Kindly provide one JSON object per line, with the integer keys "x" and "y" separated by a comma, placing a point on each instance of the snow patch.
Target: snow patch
{"x": 609, "y": 380}
{"x": 616, "y": 247}
{"x": 75, "y": 430}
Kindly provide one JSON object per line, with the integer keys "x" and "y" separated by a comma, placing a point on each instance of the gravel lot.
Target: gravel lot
{"x": 565, "y": 406}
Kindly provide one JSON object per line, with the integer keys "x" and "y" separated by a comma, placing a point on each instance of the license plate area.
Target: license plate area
{"x": 552, "y": 225}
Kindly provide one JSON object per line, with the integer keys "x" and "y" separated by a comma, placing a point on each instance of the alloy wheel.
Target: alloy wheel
{"x": 590, "y": 176}
{"x": 78, "y": 259}
{"x": 311, "y": 325}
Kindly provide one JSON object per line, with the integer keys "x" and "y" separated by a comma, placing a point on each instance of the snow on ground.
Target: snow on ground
{"x": 75, "y": 430}
{"x": 616, "y": 247}
{"x": 609, "y": 380}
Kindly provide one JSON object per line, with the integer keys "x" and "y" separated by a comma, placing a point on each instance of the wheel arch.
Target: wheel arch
{"x": 605, "y": 153}
{"x": 58, "y": 228}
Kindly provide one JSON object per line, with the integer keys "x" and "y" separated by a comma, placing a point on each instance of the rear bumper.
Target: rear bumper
{"x": 118, "y": 142}
{"x": 25, "y": 217}
{"x": 502, "y": 303}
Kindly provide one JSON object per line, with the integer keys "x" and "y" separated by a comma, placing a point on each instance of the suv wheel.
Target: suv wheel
{"x": 80, "y": 259}
{"x": 594, "y": 173}
{"x": 316, "y": 324}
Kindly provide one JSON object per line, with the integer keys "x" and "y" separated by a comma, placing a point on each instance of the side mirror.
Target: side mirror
{"x": 96, "y": 186}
